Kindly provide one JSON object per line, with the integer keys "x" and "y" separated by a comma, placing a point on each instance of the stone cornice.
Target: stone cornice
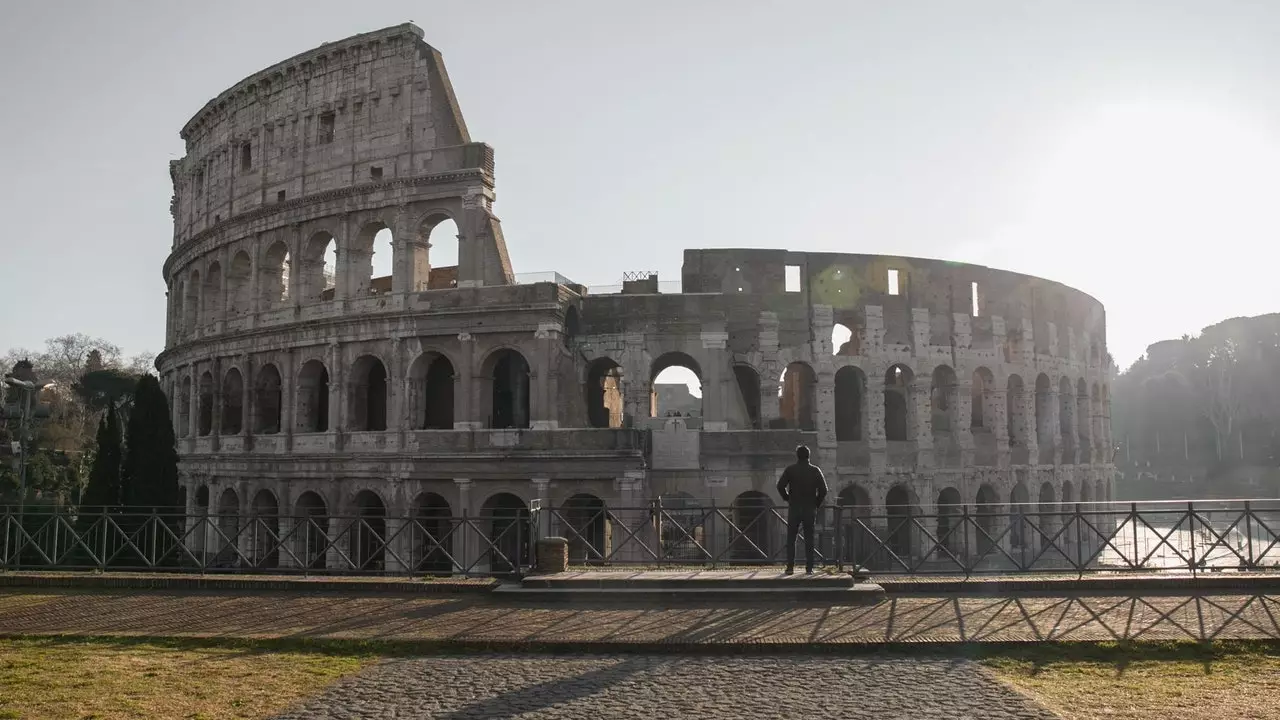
{"x": 190, "y": 246}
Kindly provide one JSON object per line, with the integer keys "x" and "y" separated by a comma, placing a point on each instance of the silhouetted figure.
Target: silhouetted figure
{"x": 804, "y": 488}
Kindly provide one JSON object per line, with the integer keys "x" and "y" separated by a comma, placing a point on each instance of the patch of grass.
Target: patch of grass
{"x": 102, "y": 679}
{"x": 1189, "y": 681}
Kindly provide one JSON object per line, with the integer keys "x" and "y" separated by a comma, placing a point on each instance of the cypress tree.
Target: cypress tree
{"x": 104, "y": 478}
{"x": 150, "y": 476}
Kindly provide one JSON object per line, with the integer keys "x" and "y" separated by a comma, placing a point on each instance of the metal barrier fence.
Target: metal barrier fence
{"x": 1241, "y": 535}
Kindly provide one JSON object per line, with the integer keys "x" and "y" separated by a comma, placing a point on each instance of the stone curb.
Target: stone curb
{"x": 243, "y": 583}
{"x": 1233, "y": 583}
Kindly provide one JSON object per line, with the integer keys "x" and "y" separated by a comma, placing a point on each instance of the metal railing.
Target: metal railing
{"x": 1189, "y": 537}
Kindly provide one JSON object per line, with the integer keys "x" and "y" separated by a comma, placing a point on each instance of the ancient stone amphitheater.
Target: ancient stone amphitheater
{"x": 921, "y": 385}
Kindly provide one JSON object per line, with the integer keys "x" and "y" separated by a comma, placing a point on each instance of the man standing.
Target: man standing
{"x": 803, "y": 488}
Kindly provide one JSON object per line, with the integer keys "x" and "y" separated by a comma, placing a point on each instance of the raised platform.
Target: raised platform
{"x": 718, "y": 586}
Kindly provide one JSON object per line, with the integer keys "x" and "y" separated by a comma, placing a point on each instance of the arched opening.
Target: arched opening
{"x": 432, "y": 534}
{"x": 604, "y": 394}
{"x": 799, "y": 396}
{"x": 675, "y": 382}
{"x": 858, "y": 540}
{"x": 749, "y": 389}
{"x": 572, "y": 324}
{"x": 843, "y": 340}
{"x": 439, "y": 265}
{"x": 184, "y": 407}
{"x": 683, "y": 524}
{"x": 980, "y": 412}
{"x": 1095, "y": 412}
{"x": 273, "y": 277}
{"x": 988, "y": 516}
{"x": 311, "y": 540}
{"x": 943, "y": 400}
{"x": 753, "y": 516}
{"x": 199, "y": 538}
{"x": 851, "y": 394}
{"x": 191, "y": 306}
{"x": 265, "y": 535}
{"x": 370, "y": 538}
{"x": 228, "y": 534}
{"x": 950, "y": 529}
{"x": 313, "y": 397}
{"x": 370, "y": 262}
{"x": 177, "y": 315}
{"x": 431, "y": 385}
{"x": 585, "y": 524}
{"x": 897, "y": 405}
{"x": 1017, "y": 516}
{"x": 509, "y": 393}
{"x": 1048, "y": 515}
{"x": 900, "y": 509}
{"x": 1066, "y": 418}
{"x": 507, "y": 520}
{"x": 319, "y": 271}
{"x": 1082, "y": 415}
{"x": 1015, "y": 420}
{"x": 368, "y": 394}
{"x": 1085, "y": 494}
{"x": 267, "y": 400}
{"x": 240, "y": 285}
{"x": 212, "y": 294}
{"x": 1044, "y": 410}
{"x": 232, "y": 402}
{"x": 204, "y": 424}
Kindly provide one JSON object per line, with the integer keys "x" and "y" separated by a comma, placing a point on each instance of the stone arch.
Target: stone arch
{"x": 897, "y": 403}
{"x": 901, "y": 506}
{"x": 585, "y": 524}
{"x": 311, "y": 540}
{"x": 432, "y": 381}
{"x": 505, "y": 373}
{"x": 369, "y": 394}
{"x": 754, "y": 518}
{"x": 319, "y": 267}
{"x": 240, "y": 285}
{"x": 944, "y": 400}
{"x": 440, "y": 263}
{"x": 988, "y": 518}
{"x": 273, "y": 276}
{"x": 858, "y": 540}
{"x": 184, "y": 406}
{"x": 368, "y": 249}
{"x": 748, "y": 381}
{"x": 678, "y": 394}
{"x": 799, "y": 398}
{"x": 1015, "y": 419}
{"x": 982, "y": 398}
{"x": 604, "y": 393}
{"x": 211, "y": 294}
{"x": 232, "y": 402}
{"x": 1044, "y": 410}
{"x": 268, "y": 398}
{"x": 504, "y": 518}
{"x": 370, "y": 537}
{"x": 951, "y": 530}
{"x": 204, "y": 423}
{"x": 1018, "y": 506}
{"x": 228, "y": 524}
{"x": 191, "y": 305}
{"x": 851, "y": 402}
{"x": 432, "y": 534}
{"x": 264, "y": 536}
{"x": 313, "y": 397}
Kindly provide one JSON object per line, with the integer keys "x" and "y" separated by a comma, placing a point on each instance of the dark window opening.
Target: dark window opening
{"x": 439, "y": 395}
{"x": 375, "y": 173}
{"x": 246, "y": 156}
{"x": 326, "y": 129}
{"x": 280, "y": 196}
{"x": 510, "y": 391}
{"x": 749, "y": 386}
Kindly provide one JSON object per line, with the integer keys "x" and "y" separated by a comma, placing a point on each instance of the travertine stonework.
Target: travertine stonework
{"x": 457, "y": 390}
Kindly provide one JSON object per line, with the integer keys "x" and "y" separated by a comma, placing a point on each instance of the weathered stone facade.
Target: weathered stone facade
{"x": 294, "y": 395}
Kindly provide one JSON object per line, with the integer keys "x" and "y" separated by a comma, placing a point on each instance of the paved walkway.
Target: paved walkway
{"x": 649, "y": 686}
{"x": 471, "y": 621}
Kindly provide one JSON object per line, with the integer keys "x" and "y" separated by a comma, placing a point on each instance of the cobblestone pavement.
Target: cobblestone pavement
{"x": 907, "y": 619}
{"x": 668, "y": 686}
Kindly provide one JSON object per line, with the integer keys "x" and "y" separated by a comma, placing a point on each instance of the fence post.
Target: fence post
{"x": 1079, "y": 550}
{"x": 1248, "y": 534}
{"x": 1191, "y": 527}
{"x": 712, "y": 535}
{"x": 964, "y": 537}
{"x": 839, "y": 548}
{"x": 1133, "y": 521}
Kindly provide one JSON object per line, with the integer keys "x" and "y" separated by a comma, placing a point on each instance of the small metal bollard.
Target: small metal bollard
{"x": 553, "y": 555}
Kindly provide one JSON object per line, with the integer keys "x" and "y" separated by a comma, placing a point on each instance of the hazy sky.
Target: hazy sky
{"x": 1129, "y": 149}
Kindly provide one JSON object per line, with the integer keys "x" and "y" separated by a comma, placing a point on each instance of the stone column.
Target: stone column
{"x": 713, "y": 390}
{"x": 297, "y": 265}
{"x": 215, "y": 424}
{"x": 247, "y": 404}
{"x": 1027, "y": 403}
{"x": 337, "y": 378}
{"x": 1054, "y": 410}
{"x": 464, "y": 410}
{"x": 920, "y": 411}
{"x": 635, "y": 391}
{"x": 767, "y": 339}
{"x": 342, "y": 281}
{"x": 467, "y": 545}
{"x": 542, "y": 492}
{"x": 396, "y": 386}
{"x": 193, "y": 415}
{"x": 288, "y": 398}
{"x": 543, "y": 390}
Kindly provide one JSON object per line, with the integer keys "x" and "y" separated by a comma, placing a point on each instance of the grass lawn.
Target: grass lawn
{"x": 1174, "y": 680}
{"x": 101, "y": 679}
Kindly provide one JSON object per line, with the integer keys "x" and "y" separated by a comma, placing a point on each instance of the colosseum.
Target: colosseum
{"x": 305, "y": 384}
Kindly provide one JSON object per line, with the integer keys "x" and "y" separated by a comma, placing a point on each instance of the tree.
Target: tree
{"x": 104, "y": 479}
{"x": 150, "y": 473}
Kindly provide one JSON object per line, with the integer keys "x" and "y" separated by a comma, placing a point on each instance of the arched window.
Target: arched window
{"x": 273, "y": 277}
{"x": 368, "y": 394}
{"x": 507, "y": 373}
{"x": 370, "y": 537}
{"x": 437, "y": 267}
{"x": 675, "y": 386}
{"x": 851, "y": 393}
{"x": 204, "y": 423}
{"x": 267, "y": 400}
{"x": 1015, "y": 418}
{"x": 240, "y": 285}
{"x": 311, "y": 533}
{"x": 191, "y": 306}
{"x": 212, "y": 295}
{"x": 799, "y": 396}
{"x": 981, "y": 412}
{"x": 897, "y": 404}
{"x": 319, "y": 268}
{"x": 371, "y": 262}
{"x": 943, "y": 400}
{"x": 431, "y": 535}
{"x": 265, "y": 532}
{"x": 431, "y": 384}
{"x": 1044, "y": 410}
{"x": 313, "y": 397}
{"x": 232, "y": 402}
{"x": 184, "y": 407}
{"x": 604, "y": 394}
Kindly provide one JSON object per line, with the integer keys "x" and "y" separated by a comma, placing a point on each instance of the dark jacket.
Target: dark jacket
{"x": 802, "y": 485}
